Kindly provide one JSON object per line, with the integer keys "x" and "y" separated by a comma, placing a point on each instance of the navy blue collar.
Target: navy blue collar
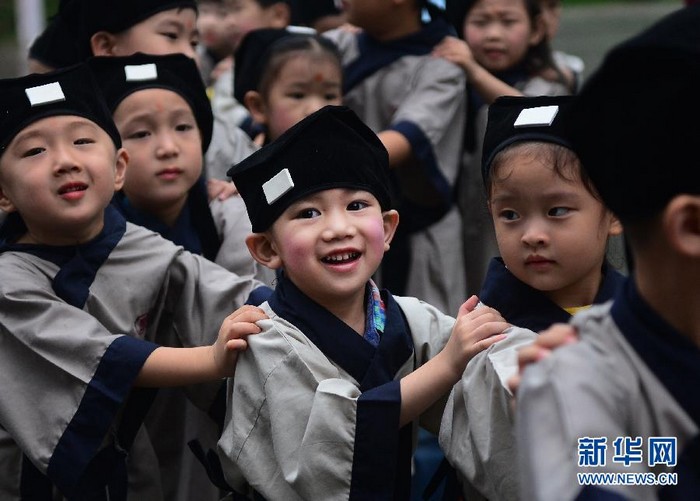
{"x": 671, "y": 356}
{"x": 194, "y": 228}
{"x": 375, "y": 55}
{"x": 527, "y": 307}
{"x": 78, "y": 263}
{"x": 369, "y": 366}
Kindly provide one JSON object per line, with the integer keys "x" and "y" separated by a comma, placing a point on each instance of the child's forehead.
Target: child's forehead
{"x": 334, "y": 195}
{"x": 53, "y": 123}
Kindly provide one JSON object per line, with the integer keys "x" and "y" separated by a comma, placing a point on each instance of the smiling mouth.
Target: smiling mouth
{"x": 347, "y": 257}
{"x": 71, "y": 188}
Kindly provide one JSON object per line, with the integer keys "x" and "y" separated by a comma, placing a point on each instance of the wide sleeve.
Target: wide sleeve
{"x": 294, "y": 420}
{"x": 576, "y": 393}
{"x": 63, "y": 376}
{"x": 477, "y": 433}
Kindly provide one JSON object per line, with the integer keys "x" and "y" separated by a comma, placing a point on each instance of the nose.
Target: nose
{"x": 65, "y": 161}
{"x": 167, "y": 145}
{"x": 535, "y": 234}
{"x": 313, "y": 104}
{"x": 338, "y": 226}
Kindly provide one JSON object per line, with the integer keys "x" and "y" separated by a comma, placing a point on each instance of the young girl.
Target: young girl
{"x": 552, "y": 229}
{"x": 505, "y": 51}
{"x": 164, "y": 119}
{"x": 282, "y": 76}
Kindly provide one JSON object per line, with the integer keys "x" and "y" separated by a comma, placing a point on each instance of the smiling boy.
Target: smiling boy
{"x": 329, "y": 397}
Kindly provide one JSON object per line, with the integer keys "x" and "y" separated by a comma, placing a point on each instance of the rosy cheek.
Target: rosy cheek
{"x": 375, "y": 236}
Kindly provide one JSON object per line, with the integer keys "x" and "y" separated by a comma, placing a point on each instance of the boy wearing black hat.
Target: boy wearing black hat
{"x": 79, "y": 321}
{"x": 323, "y": 402}
{"x": 623, "y": 401}
{"x": 162, "y": 112}
{"x": 552, "y": 230}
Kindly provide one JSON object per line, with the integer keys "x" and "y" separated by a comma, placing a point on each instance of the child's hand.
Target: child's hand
{"x": 232, "y": 337}
{"x": 475, "y": 330}
{"x": 456, "y": 51}
{"x": 557, "y": 335}
{"x": 218, "y": 188}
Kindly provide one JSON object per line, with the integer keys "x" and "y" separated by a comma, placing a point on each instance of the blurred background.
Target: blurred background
{"x": 588, "y": 29}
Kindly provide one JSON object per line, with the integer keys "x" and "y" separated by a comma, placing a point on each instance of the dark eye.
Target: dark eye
{"x": 184, "y": 127}
{"x": 32, "y": 152}
{"x": 508, "y": 215}
{"x": 357, "y": 205}
{"x": 84, "y": 140}
{"x": 558, "y": 211}
{"x": 308, "y": 213}
{"x": 139, "y": 134}
{"x": 296, "y": 95}
{"x": 170, "y": 34}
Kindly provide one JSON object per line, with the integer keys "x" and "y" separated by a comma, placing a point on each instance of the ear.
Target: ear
{"x": 391, "y": 222}
{"x": 539, "y": 30}
{"x": 681, "y": 224}
{"x": 255, "y": 104}
{"x": 5, "y": 203}
{"x": 263, "y": 250}
{"x": 102, "y": 43}
{"x": 615, "y": 227}
{"x": 280, "y": 15}
{"x": 120, "y": 166}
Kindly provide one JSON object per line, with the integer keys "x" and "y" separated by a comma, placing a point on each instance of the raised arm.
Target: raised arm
{"x": 475, "y": 330}
{"x": 183, "y": 366}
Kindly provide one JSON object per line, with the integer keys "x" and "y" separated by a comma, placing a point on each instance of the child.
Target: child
{"x": 85, "y": 296}
{"x": 243, "y": 16}
{"x": 505, "y": 51}
{"x": 162, "y": 112}
{"x": 343, "y": 367}
{"x": 121, "y": 28}
{"x": 282, "y": 76}
{"x": 552, "y": 230}
{"x": 215, "y": 47}
{"x": 415, "y": 103}
{"x": 623, "y": 401}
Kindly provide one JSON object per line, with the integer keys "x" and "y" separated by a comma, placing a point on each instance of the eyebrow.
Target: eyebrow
{"x": 551, "y": 196}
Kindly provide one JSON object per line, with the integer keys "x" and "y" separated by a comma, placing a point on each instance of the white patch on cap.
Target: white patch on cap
{"x": 277, "y": 186}
{"x": 301, "y": 30}
{"x": 537, "y": 117}
{"x": 45, "y": 94}
{"x": 140, "y": 72}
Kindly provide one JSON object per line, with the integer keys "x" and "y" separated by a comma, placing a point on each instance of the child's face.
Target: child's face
{"x": 60, "y": 173}
{"x": 245, "y": 16}
{"x": 551, "y": 231}
{"x": 499, "y": 33}
{"x": 167, "y": 32}
{"x": 551, "y": 15}
{"x": 305, "y": 84}
{"x": 161, "y": 136}
{"x": 367, "y": 14}
{"x": 331, "y": 242}
{"x": 212, "y": 27}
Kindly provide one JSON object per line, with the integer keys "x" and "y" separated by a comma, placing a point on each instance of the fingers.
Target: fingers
{"x": 236, "y": 345}
{"x": 241, "y": 322}
{"x": 557, "y": 335}
{"x": 247, "y": 313}
{"x": 468, "y": 306}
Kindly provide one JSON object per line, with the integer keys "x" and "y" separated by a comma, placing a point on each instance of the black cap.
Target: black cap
{"x": 254, "y": 53}
{"x": 67, "y": 91}
{"x": 57, "y": 46}
{"x": 636, "y": 124}
{"x": 118, "y": 77}
{"x": 515, "y": 119}
{"x": 331, "y": 148}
